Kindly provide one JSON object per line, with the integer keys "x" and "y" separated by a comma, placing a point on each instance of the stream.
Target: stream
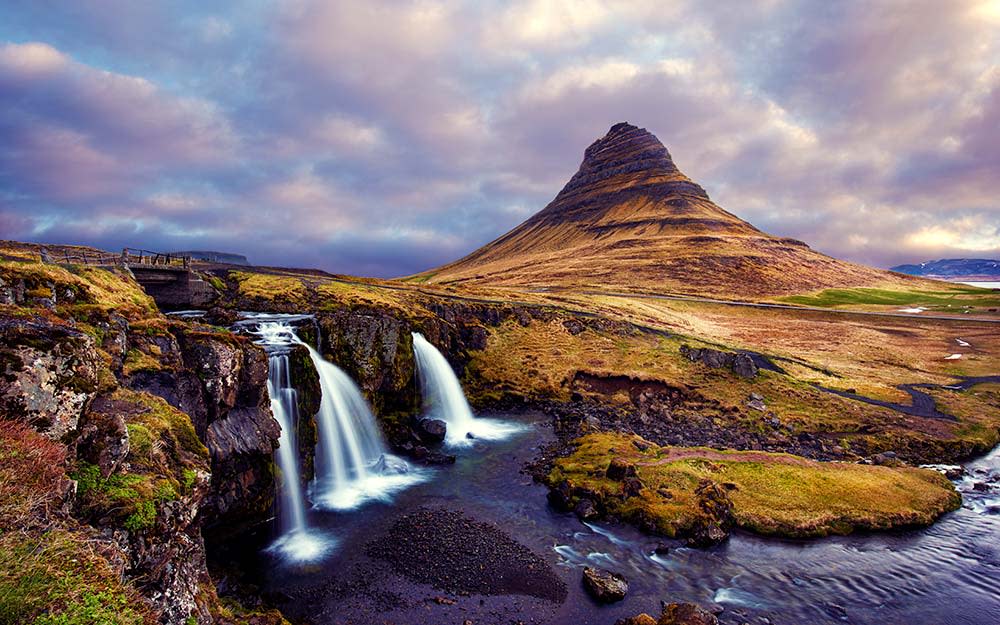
{"x": 948, "y": 573}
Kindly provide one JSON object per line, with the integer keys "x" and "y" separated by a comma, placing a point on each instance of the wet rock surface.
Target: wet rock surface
{"x": 457, "y": 554}
{"x": 604, "y": 587}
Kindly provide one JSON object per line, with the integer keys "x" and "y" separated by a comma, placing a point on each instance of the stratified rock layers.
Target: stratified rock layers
{"x": 629, "y": 219}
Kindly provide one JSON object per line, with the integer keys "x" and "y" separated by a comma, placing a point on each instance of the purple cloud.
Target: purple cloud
{"x": 379, "y": 138}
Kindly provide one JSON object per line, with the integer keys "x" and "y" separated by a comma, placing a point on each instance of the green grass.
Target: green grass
{"x": 55, "y": 579}
{"x": 956, "y": 297}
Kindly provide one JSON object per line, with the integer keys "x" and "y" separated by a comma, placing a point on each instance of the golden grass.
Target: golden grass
{"x": 770, "y": 493}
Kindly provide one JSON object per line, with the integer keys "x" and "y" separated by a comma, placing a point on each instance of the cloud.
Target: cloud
{"x": 385, "y": 137}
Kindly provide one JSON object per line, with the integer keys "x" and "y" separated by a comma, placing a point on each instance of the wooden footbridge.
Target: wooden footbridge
{"x": 168, "y": 278}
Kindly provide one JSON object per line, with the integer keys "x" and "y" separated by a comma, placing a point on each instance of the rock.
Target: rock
{"x": 981, "y": 487}
{"x": 686, "y": 614}
{"x": 744, "y": 366}
{"x": 431, "y": 458}
{"x": 559, "y": 497}
{"x": 756, "y": 404}
{"x": 640, "y": 619}
{"x": 661, "y": 549}
{"x": 432, "y": 430}
{"x": 49, "y": 372}
{"x": 604, "y": 587}
{"x": 103, "y": 437}
{"x": 219, "y": 316}
{"x": 712, "y": 525}
{"x": 620, "y": 468}
{"x": 632, "y": 486}
{"x": 741, "y": 363}
{"x": 574, "y": 326}
{"x": 585, "y": 510}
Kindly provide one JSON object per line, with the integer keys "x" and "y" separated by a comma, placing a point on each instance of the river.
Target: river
{"x": 946, "y": 574}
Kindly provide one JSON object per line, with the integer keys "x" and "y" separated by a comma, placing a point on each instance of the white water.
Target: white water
{"x": 352, "y": 462}
{"x": 444, "y": 400}
{"x": 296, "y": 542}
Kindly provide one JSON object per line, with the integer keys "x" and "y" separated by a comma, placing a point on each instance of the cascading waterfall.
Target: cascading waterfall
{"x": 444, "y": 399}
{"x": 296, "y": 542}
{"x": 352, "y": 462}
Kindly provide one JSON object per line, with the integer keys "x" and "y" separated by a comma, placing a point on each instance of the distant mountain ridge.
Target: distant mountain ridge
{"x": 629, "y": 219}
{"x": 954, "y": 268}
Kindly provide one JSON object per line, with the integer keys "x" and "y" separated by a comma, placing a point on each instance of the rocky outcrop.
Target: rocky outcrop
{"x": 739, "y": 363}
{"x": 220, "y": 380}
{"x": 375, "y": 348}
{"x": 50, "y": 374}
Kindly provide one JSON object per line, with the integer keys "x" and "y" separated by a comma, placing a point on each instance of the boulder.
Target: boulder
{"x": 686, "y": 614}
{"x": 632, "y": 486}
{"x": 585, "y": 510}
{"x": 620, "y": 468}
{"x": 640, "y": 619}
{"x": 604, "y": 587}
{"x": 50, "y": 373}
{"x": 432, "y": 430}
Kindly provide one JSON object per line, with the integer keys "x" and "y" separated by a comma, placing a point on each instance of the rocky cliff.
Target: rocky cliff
{"x": 148, "y": 430}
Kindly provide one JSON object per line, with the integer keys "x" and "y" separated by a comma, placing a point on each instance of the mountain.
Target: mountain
{"x": 954, "y": 268}
{"x": 630, "y": 220}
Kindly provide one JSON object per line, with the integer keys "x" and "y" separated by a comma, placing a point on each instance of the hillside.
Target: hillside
{"x": 629, "y": 219}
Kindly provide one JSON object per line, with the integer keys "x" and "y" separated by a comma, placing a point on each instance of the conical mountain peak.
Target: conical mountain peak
{"x": 629, "y": 218}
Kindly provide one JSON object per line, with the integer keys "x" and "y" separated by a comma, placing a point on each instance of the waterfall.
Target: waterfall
{"x": 444, "y": 399}
{"x": 352, "y": 462}
{"x": 296, "y": 540}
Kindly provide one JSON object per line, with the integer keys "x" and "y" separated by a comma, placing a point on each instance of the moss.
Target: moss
{"x": 133, "y": 497}
{"x": 775, "y": 494}
{"x": 137, "y": 360}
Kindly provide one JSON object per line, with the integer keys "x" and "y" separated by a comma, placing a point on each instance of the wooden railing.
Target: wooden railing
{"x": 129, "y": 256}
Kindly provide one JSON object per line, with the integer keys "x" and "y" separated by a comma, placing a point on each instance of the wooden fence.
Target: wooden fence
{"x": 128, "y": 257}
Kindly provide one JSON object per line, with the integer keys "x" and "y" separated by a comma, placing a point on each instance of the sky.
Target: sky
{"x": 385, "y": 138}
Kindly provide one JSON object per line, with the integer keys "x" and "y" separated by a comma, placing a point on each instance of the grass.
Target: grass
{"x": 55, "y": 578}
{"x": 773, "y": 494}
{"x": 104, "y": 289}
{"x": 956, "y": 298}
{"x": 50, "y": 572}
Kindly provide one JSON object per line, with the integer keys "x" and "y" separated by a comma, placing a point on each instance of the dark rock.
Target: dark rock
{"x": 604, "y": 587}
{"x": 744, "y": 366}
{"x": 103, "y": 437}
{"x": 662, "y": 549}
{"x": 715, "y": 518}
{"x": 686, "y": 614}
{"x": 632, "y": 486}
{"x": 981, "y": 487}
{"x": 431, "y": 458}
{"x": 432, "y": 430}
{"x": 620, "y": 468}
{"x": 740, "y": 363}
{"x": 559, "y": 497}
{"x": 574, "y": 326}
{"x": 585, "y": 510}
{"x": 639, "y": 619}
{"x": 219, "y": 316}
